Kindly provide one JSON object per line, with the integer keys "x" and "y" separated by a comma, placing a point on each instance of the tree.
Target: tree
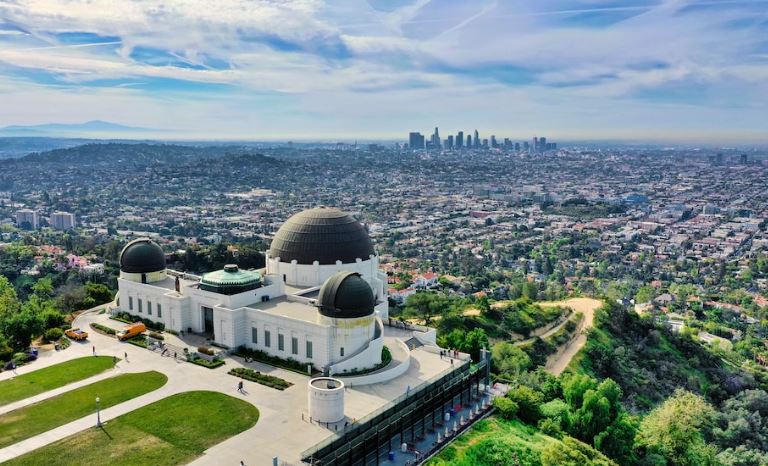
{"x": 571, "y": 452}
{"x": 9, "y": 301}
{"x": 20, "y": 327}
{"x": 506, "y": 407}
{"x": 528, "y": 400}
{"x": 510, "y": 360}
{"x": 676, "y": 430}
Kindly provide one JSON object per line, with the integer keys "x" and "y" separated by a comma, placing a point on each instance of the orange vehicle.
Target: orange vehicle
{"x": 76, "y": 334}
{"x": 130, "y": 331}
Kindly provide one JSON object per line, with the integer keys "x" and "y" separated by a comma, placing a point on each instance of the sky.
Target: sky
{"x": 666, "y": 70}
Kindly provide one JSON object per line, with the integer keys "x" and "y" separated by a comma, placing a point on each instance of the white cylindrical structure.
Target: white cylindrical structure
{"x": 326, "y": 399}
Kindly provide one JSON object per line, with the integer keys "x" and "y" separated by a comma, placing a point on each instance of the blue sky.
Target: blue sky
{"x": 341, "y": 69}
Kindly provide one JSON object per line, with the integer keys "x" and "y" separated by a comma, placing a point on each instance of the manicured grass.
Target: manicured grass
{"x": 45, "y": 415}
{"x": 168, "y": 432}
{"x": 42, "y": 380}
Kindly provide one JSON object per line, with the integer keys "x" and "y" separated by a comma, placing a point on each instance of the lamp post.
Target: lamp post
{"x": 98, "y": 412}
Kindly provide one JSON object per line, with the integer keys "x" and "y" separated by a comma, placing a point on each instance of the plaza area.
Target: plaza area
{"x": 283, "y": 429}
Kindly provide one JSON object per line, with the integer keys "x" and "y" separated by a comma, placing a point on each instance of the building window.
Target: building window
{"x": 294, "y": 345}
{"x": 280, "y": 342}
{"x": 149, "y": 307}
{"x": 309, "y": 350}
{"x": 342, "y": 351}
{"x": 159, "y": 310}
{"x": 140, "y": 306}
{"x": 254, "y": 335}
{"x": 267, "y": 339}
{"x": 130, "y": 303}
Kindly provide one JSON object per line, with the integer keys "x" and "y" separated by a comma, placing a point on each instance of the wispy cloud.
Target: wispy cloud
{"x": 386, "y": 66}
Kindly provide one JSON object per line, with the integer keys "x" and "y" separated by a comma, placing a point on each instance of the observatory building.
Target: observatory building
{"x": 320, "y": 300}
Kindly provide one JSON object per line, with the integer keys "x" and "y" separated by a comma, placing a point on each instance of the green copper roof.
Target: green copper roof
{"x": 230, "y": 280}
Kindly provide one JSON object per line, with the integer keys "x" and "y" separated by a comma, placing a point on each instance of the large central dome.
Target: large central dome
{"x": 323, "y": 234}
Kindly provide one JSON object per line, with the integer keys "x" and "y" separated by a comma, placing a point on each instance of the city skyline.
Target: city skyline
{"x": 663, "y": 71}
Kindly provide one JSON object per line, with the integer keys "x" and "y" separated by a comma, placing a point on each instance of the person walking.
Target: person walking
{"x": 240, "y": 386}
{"x": 93, "y": 348}
{"x": 125, "y": 353}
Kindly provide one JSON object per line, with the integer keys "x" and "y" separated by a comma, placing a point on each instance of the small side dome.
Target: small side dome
{"x": 142, "y": 255}
{"x": 346, "y": 295}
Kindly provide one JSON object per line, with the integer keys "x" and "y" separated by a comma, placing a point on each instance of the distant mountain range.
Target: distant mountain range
{"x": 94, "y": 128}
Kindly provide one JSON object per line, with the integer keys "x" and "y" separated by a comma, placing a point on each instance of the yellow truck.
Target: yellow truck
{"x": 131, "y": 330}
{"x": 76, "y": 334}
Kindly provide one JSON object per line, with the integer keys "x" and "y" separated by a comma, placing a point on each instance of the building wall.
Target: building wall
{"x": 233, "y": 322}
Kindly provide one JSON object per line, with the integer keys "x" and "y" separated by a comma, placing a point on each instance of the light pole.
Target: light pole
{"x": 98, "y": 412}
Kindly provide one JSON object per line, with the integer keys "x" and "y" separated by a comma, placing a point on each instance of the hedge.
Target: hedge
{"x": 123, "y": 316}
{"x": 103, "y": 329}
{"x": 266, "y": 358}
{"x": 138, "y": 340}
{"x": 258, "y": 377}
{"x": 208, "y": 364}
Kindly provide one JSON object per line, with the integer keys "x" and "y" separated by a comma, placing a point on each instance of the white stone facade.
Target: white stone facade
{"x": 266, "y": 319}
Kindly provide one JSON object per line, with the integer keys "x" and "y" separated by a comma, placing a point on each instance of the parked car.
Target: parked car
{"x": 76, "y": 334}
{"x": 130, "y": 331}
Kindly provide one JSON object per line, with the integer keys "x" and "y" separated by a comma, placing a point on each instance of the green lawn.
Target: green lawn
{"x": 171, "y": 431}
{"x": 45, "y": 415}
{"x": 42, "y": 380}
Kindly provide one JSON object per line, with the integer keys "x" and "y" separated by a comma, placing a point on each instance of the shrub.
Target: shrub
{"x": 6, "y": 353}
{"x": 206, "y": 350}
{"x": 123, "y": 316}
{"x": 103, "y": 329}
{"x": 506, "y": 407}
{"x": 261, "y": 356}
{"x": 208, "y": 364}
{"x": 386, "y": 358}
{"x": 156, "y": 336}
{"x": 258, "y": 377}
{"x": 53, "y": 334}
{"x": 64, "y": 343}
{"x": 138, "y": 340}
{"x": 20, "y": 358}
{"x": 172, "y": 332}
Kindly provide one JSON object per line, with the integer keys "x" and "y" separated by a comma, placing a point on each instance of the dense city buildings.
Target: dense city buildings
{"x": 416, "y": 141}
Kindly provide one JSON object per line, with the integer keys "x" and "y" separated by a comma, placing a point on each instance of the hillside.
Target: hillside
{"x": 496, "y": 441}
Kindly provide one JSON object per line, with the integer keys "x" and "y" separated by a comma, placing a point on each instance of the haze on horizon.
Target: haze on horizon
{"x": 669, "y": 70}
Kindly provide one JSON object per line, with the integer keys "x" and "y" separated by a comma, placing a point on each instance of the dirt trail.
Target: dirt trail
{"x": 557, "y": 362}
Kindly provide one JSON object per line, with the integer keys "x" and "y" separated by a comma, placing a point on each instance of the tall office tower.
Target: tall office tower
{"x": 526, "y": 146}
{"x": 535, "y": 144}
{"x": 517, "y": 147}
{"x": 436, "y": 139}
{"x": 554, "y": 146}
{"x": 62, "y": 220}
{"x": 469, "y": 141}
{"x": 477, "y": 139}
{"x": 415, "y": 141}
{"x": 485, "y": 143}
{"x": 27, "y": 218}
{"x": 460, "y": 139}
{"x": 543, "y": 144}
{"x": 507, "y": 143}
{"x": 449, "y": 142}
{"x": 494, "y": 144}
{"x": 719, "y": 158}
{"x": 743, "y": 159}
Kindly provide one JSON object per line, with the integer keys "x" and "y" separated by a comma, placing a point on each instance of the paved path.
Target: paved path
{"x": 560, "y": 360}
